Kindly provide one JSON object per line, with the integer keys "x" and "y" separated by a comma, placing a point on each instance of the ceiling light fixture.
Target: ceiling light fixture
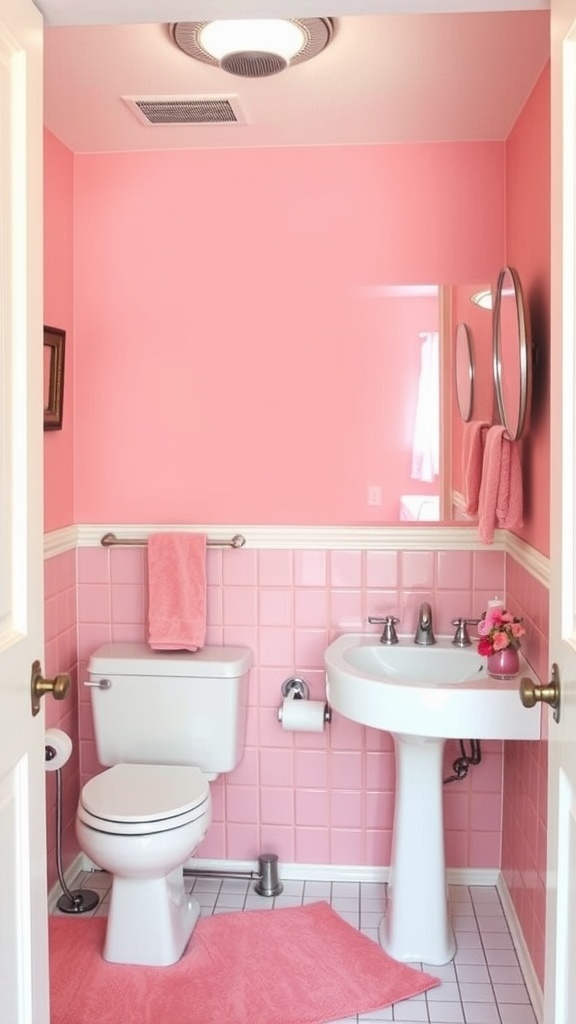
{"x": 253, "y": 48}
{"x": 482, "y": 299}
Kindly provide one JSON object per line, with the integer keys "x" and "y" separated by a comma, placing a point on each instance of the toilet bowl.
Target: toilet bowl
{"x": 165, "y": 725}
{"x": 142, "y": 823}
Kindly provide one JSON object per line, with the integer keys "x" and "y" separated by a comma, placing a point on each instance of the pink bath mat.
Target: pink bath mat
{"x": 299, "y": 965}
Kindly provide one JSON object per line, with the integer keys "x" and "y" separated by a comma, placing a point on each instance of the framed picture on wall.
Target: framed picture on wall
{"x": 54, "y": 340}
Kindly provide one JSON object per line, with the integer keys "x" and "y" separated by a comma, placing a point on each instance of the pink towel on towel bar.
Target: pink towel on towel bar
{"x": 500, "y": 501}
{"x": 473, "y": 440}
{"x": 177, "y": 591}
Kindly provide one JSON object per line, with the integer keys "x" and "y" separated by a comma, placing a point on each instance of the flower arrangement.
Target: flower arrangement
{"x": 497, "y": 630}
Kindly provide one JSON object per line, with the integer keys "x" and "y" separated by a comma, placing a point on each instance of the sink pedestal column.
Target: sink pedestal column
{"x": 417, "y": 926}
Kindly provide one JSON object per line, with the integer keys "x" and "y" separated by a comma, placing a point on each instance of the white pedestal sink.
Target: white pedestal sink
{"x": 422, "y": 696}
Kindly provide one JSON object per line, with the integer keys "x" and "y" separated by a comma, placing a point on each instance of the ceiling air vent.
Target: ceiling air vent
{"x": 154, "y": 110}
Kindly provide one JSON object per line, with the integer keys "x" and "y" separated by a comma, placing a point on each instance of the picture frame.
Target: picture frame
{"x": 54, "y": 346}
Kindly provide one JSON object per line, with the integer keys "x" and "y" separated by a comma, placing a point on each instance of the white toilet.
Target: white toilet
{"x": 167, "y": 723}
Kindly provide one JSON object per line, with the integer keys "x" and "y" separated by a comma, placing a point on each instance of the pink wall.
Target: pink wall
{"x": 528, "y": 248}
{"x": 59, "y": 312}
{"x": 222, "y": 366}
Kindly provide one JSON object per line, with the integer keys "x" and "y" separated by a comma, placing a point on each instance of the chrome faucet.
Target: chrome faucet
{"x": 389, "y": 622}
{"x": 424, "y": 632}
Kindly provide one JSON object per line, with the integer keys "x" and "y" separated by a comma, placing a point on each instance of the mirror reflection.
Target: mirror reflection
{"x": 464, "y": 372}
{"x": 511, "y": 354}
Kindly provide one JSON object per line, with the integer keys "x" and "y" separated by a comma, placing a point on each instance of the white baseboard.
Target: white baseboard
{"x": 526, "y": 965}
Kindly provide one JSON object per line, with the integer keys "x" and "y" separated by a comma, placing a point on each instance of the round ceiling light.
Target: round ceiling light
{"x": 253, "y": 48}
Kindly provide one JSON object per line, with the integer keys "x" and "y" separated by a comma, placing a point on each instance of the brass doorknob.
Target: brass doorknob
{"x": 58, "y": 687}
{"x": 532, "y": 694}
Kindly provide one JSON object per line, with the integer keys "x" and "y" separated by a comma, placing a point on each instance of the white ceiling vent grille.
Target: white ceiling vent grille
{"x": 157, "y": 110}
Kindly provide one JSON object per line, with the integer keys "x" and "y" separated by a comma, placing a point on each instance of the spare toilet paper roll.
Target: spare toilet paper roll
{"x": 303, "y": 715}
{"x": 58, "y": 747}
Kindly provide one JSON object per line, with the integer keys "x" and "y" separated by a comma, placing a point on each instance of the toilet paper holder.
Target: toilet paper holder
{"x": 296, "y": 688}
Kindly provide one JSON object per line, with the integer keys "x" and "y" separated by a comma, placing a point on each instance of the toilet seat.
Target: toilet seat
{"x": 141, "y": 799}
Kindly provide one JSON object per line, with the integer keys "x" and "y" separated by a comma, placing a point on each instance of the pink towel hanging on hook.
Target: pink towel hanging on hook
{"x": 500, "y": 503}
{"x": 177, "y": 591}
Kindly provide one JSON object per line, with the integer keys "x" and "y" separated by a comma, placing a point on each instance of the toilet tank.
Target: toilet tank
{"x": 170, "y": 707}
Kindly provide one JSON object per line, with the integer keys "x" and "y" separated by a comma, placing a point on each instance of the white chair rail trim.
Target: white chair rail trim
{"x": 332, "y": 538}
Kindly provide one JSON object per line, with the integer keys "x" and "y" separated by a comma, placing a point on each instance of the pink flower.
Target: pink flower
{"x": 499, "y": 629}
{"x": 500, "y": 641}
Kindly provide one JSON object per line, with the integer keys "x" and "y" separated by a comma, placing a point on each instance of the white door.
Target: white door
{"x": 560, "y": 985}
{"x": 23, "y": 916}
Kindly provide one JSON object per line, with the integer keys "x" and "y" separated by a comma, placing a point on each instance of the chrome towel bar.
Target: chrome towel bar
{"x": 110, "y": 539}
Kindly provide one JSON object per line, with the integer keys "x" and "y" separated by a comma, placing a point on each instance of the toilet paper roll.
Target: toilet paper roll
{"x": 303, "y": 715}
{"x": 58, "y": 747}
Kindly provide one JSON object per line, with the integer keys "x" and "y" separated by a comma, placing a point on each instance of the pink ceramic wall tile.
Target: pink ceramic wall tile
{"x": 91, "y": 636}
{"x": 417, "y": 570}
{"x": 450, "y": 605}
{"x": 378, "y": 846}
{"x": 276, "y": 806}
{"x": 346, "y": 846}
{"x": 247, "y": 772}
{"x": 309, "y": 646}
{"x": 278, "y": 839}
{"x": 311, "y": 807}
{"x": 310, "y": 607}
{"x": 239, "y": 567}
{"x": 275, "y": 607}
{"x": 489, "y": 573}
{"x": 127, "y": 604}
{"x": 345, "y": 568}
{"x": 240, "y": 606}
{"x": 276, "y": 645}
{"x": 311, "y": 769}
{"x": 346, "y": 769}
{"x": 277, "y": 767}
{"x": 275, "y": 568}
{"x": 129, "y": 565}
{"x": 456, "y": 804}
{"x": 378, "y": 811}
{"x": 456, "y": 848}
{"x": 484, "y": 848}
{"x": 454, "y": 570}
{"x": 347, "y": 611}
{"x": 345, "y": 809}
{"x": 379, "y": 766}
{"x": 241, "y": 804}
{"x": 310, "y": 568}
{"x": 486, "y": 812}
{"x": 93, "y": 565}
{"x": 312, "y": 845}
{"x": 382, "y": 569}
{"x": 94, "y": 603}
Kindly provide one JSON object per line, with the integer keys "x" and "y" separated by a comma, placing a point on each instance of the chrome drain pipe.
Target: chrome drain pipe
{"x": 267, "y": 880}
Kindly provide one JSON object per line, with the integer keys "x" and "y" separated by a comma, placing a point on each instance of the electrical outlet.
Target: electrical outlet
{"x": 374, "y": 495}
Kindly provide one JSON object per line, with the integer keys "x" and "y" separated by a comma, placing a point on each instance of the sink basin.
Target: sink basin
{"x": 443, "y": 690}
{"x": 422, "y": 696}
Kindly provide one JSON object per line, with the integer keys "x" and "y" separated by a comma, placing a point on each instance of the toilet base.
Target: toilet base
{"x": 150, "y": 920}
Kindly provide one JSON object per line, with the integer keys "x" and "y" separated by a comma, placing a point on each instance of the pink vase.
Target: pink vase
{"x": 504, "y": 664}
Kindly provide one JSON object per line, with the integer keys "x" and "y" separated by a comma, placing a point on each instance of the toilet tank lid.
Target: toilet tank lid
{"x": 139, "y": 659}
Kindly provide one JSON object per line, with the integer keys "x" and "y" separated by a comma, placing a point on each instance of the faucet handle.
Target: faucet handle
{"x": 389, "y": 622}
{"x": 461, "y": 637}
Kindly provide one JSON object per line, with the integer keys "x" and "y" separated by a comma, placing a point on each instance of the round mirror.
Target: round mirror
{"x": 464, "y": 371}
{"x": 511, "y": 354}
